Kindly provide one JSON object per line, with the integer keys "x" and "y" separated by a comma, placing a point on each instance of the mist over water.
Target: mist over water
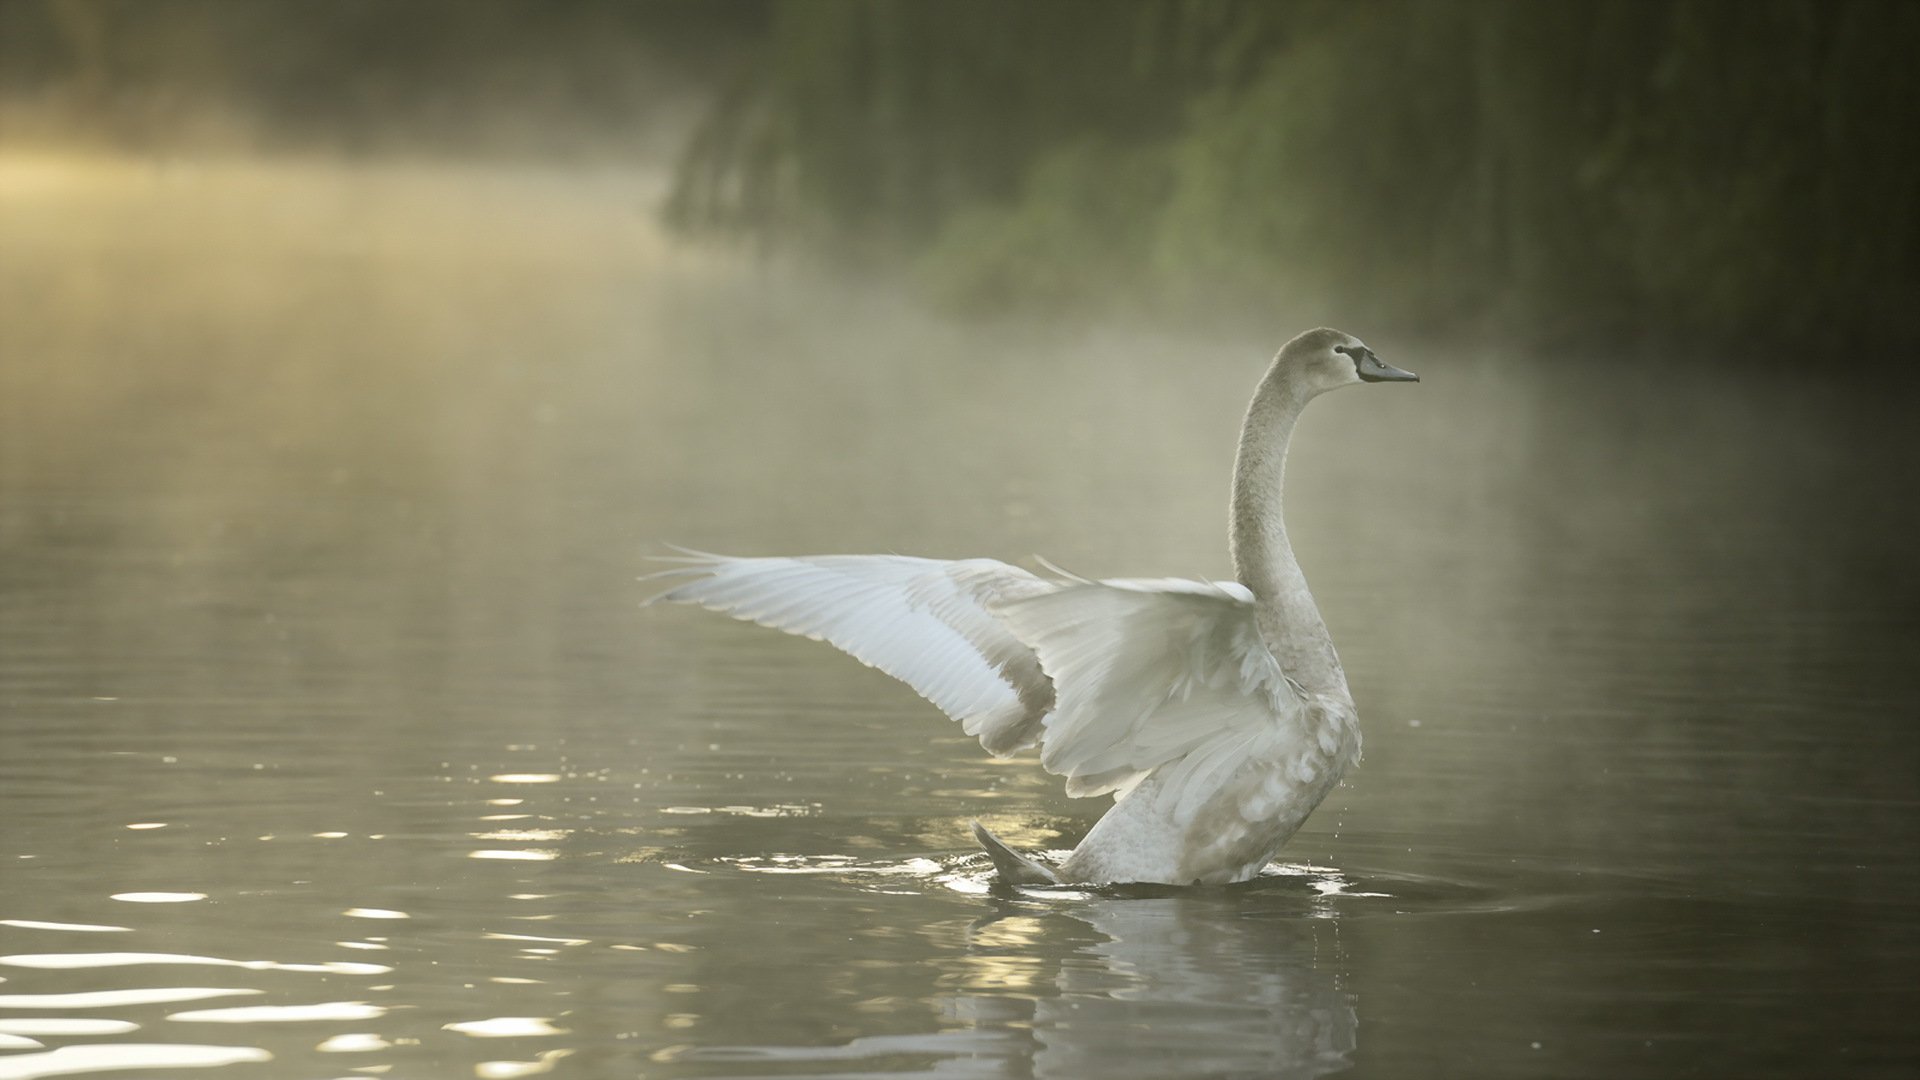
{"x": 336, "y": 737}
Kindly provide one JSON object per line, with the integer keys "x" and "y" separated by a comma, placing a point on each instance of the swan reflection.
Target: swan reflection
{"x": 1177, "y": 985}
{"x": 1243, "y": 981}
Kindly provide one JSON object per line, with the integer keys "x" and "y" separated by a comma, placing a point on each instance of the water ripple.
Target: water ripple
{"x": 103, "y": 999}
{"x": 502, "y": 1027}
{"x": 353, "y": 1043}
{"x": 263, "y": 1014}
{"x": 68, "y": 1060}
{"x": 65, "y": 961}
{"x": 510, "y": 1070}
{"x": 1330, "y": 890}
{"x": 67, "y": 1027}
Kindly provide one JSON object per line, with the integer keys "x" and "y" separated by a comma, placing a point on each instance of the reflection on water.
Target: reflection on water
{"x": 322, "y": 490}
{"x": 97, "y": 999}
{"x": 1165, "y": 993}
{"x": 1123, "y": 982}
{"x": 117, "y": 1057}
{"x": 123, "y": 959}
{"x": 1179, "y": 989}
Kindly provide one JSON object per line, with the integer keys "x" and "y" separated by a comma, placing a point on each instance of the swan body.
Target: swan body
{"x": 1215, "y": 713}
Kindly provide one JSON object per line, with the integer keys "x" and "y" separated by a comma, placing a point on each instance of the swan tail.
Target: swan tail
{"x": 1013, "y": 867}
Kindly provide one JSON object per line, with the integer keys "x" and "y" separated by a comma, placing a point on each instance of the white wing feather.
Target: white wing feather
{"x": 1164, "y": 674}
{"x": 1115, "y": 679}
{"x": 922, "y": 621}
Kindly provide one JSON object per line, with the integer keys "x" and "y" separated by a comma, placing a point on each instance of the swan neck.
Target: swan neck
{"x": 1263, "y": 557}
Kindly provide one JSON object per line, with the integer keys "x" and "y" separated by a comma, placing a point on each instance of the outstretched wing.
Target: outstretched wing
{"x": 926, "y": 622}
{"x": 1114, "y": 679}
{"x": 1163, "y": 675}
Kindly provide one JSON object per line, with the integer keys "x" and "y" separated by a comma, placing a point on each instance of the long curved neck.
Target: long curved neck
{"x": 1263, "y": 560}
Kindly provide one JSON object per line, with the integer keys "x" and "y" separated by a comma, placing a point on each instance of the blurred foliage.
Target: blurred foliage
{"x": 1732, "y": 169}
{"x": 470, "y": 77}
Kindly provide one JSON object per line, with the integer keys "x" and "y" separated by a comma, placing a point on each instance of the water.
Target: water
{"x": 336, "y": 742}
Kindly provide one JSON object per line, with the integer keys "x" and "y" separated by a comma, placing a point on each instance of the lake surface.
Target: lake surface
{"x": 337, "y": 744}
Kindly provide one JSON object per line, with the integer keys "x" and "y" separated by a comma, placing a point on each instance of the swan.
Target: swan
{"x": 1215, "y": 713}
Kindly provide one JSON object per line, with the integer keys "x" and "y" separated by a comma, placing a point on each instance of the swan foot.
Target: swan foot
{"x": 1013, "y": 867}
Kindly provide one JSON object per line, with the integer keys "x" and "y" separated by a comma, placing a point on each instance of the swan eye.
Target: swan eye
{"x": 1343, "y": 350}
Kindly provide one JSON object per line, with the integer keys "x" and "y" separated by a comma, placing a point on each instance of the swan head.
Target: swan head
{"x": 1327, "y": 359}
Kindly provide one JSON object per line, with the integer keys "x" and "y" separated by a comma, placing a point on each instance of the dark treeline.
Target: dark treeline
{"x": 512, "y": 78}
{"x": 1733, "y": 170}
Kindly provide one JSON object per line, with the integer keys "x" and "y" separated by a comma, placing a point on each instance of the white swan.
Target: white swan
{"x": 1215, "y": 713}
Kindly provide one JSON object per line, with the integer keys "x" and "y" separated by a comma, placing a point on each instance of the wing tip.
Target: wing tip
{"x": 691, "y": 563}
{"x": 1058, "y": 571}
{"x": 689, "y": 555}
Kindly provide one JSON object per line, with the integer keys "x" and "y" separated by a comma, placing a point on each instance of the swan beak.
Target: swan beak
{"x": 1373, "y": 369}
